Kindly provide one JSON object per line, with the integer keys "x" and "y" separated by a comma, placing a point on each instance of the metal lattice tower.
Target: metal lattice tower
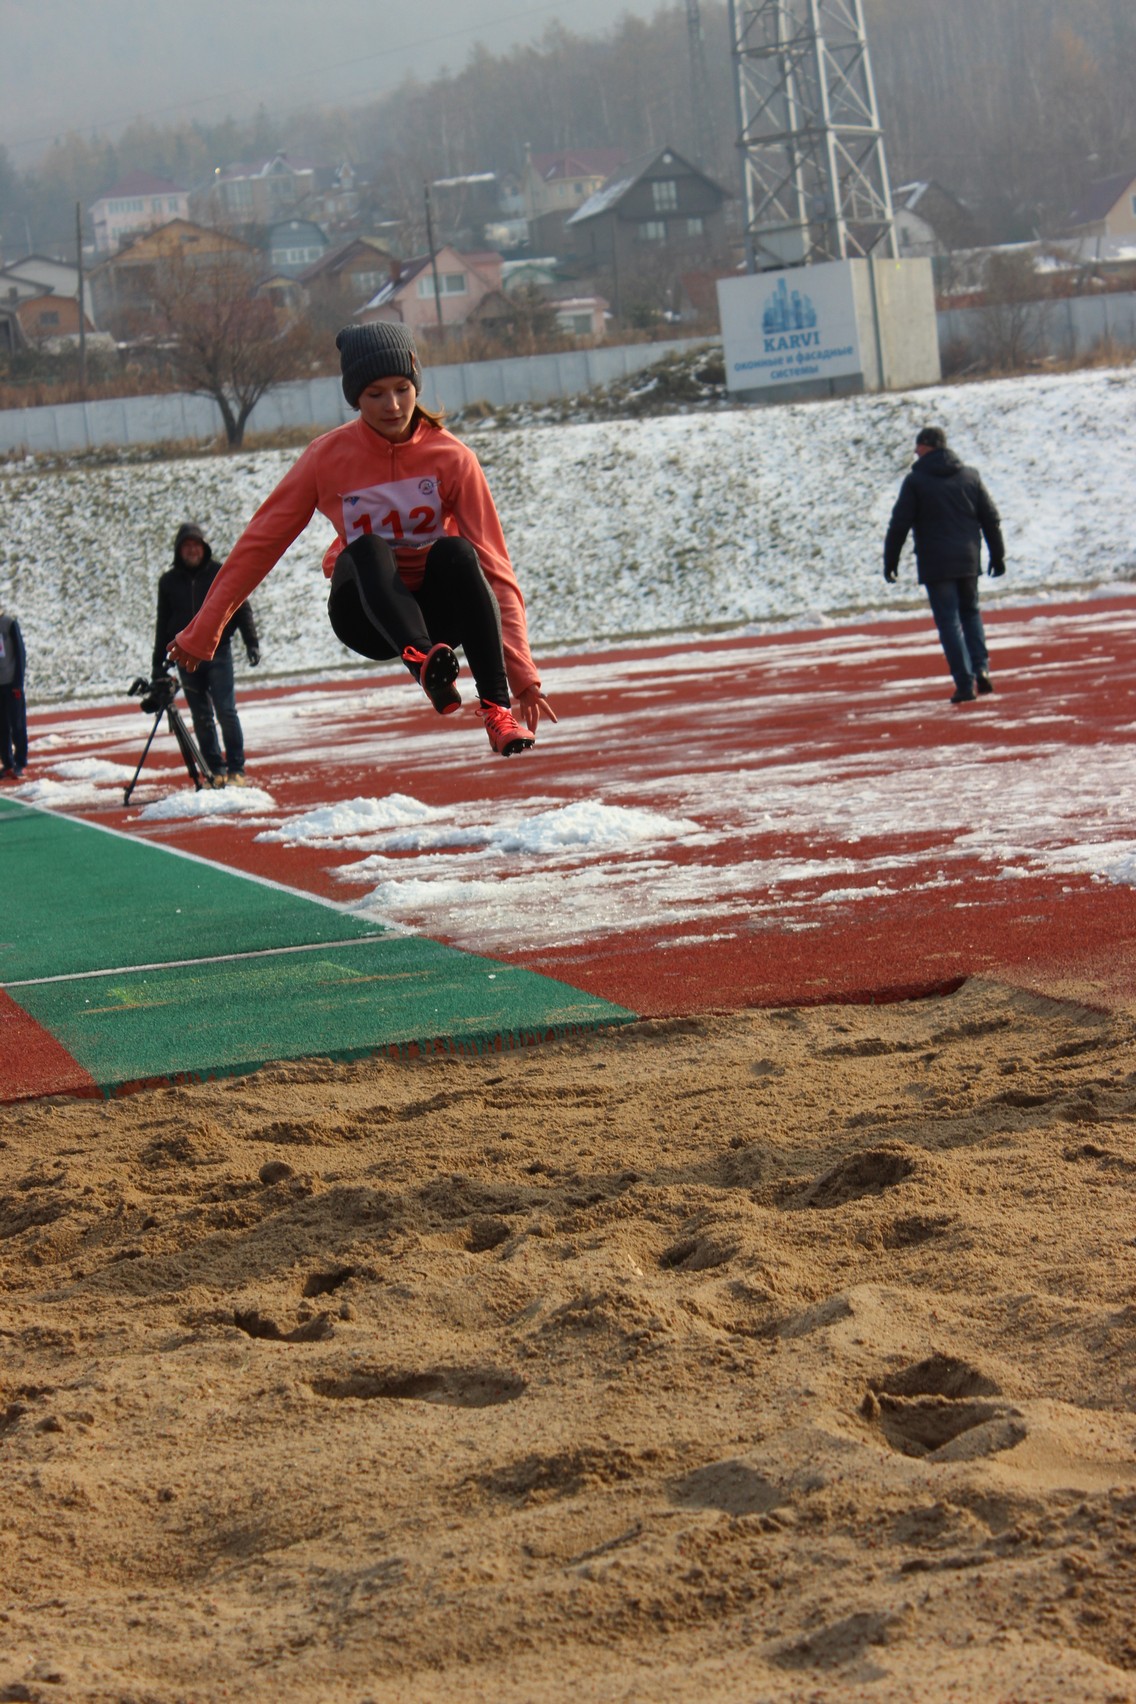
{"x": 814, "y": 179}
{"x": 704, "y": 133}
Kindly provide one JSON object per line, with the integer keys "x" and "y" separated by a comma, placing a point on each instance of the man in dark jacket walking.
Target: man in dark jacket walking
{"x": 209, "y": 687}
{"x": 950, "y": 512}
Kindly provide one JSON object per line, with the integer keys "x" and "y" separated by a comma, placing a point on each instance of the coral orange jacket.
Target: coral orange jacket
{"x": 409, "y": 493}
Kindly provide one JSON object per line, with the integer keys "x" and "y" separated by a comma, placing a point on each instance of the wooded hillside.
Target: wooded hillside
{"x": 1012, "y": 107}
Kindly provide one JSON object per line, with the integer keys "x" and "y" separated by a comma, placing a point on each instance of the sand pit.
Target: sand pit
{"x": 781, "y": 1355}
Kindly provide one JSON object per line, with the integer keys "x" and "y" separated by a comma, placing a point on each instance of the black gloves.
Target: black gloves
{"x": 996, "y": 569}
{"x": 891, "y": 574}
{"x": 253, "y": 656}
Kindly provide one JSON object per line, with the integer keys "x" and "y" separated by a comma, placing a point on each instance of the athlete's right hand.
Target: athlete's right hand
{"x": 533, "y": 705}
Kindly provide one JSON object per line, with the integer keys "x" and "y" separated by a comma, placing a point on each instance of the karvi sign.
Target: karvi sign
{"x": 789, "y": 328}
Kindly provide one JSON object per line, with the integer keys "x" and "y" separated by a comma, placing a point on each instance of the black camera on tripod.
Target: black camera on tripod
{"x": 156, "y": 695}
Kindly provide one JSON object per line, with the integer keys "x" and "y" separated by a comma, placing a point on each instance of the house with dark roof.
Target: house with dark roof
{"x": 350, "y": 274}
{"x": 929, "y": 220}
{"x": 1106, "y": 208}
{"x": 137, "y": 202}
{"x": 553, "y": 186}
{"x": 656, "y": 215}
{"x": 256, "y": 192}
{"x": 293, "y": 245}
{"x": 336, "y": 196}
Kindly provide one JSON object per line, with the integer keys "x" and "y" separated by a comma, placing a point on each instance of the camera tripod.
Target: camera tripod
{"x": 159, "y": 700}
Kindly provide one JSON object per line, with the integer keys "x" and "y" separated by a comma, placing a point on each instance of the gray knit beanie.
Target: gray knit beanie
{"x": 383, "y": 350}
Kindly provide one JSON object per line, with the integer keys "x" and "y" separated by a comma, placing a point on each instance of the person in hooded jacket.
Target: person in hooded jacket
{"x": 13, "y": 710}
{"x": 950, "y": 512}
{"x": 418, "y": 565}
{"x": 208, "y": 685}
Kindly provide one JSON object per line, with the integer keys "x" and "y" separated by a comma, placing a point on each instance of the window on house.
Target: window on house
{"x": 49, "y": 317}
{"x": 449, "y": 284}
{"x": 664, "y": 195}
{"x": 1134, "y": 206}
{"x": 576, "y": 325}
{"x": 652, "y": 231}
{"x": 695, "y": 226}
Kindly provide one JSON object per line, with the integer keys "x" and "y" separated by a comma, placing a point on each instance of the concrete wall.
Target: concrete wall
{"x": 898, "y": 334}
{"x": 1064, "y": 329}
{"x": 319, "y": 403}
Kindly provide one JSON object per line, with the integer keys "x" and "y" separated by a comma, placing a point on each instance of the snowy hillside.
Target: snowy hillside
{"x": 746, "y": 517}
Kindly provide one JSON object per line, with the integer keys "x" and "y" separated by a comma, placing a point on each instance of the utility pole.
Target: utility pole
{"x": 434, "y": 263}
{"x": 706, "y": 140}
{"x": 82, "y": 305}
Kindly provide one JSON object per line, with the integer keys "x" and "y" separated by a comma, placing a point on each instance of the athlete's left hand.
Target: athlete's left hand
{"x": 184, "y": 659}
{"x": 533, "y": 705}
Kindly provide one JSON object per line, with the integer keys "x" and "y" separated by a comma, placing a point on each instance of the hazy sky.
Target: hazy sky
{"x": 98, "y": 64}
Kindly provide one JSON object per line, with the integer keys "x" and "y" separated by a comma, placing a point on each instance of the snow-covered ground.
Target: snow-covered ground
{"x": 746, "y": 518}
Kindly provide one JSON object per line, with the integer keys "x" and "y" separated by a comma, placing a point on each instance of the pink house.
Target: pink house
{"x": 417, "y": 290}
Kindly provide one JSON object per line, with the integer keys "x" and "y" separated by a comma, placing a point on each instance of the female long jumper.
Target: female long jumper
{"x": 419, "y": 564}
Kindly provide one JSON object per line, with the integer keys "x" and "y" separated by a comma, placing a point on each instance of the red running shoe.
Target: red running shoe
{"x": 506, "y": 735}
{"x": 436, "y": 671}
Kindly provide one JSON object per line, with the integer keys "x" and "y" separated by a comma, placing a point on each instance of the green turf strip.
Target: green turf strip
{"x": 337, "y": 1002}
{"x": 97, "y": 902}
{"x": 82, "y": 899}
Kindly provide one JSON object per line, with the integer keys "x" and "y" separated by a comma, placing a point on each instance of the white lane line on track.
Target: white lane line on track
{"x": 216, "y": 958}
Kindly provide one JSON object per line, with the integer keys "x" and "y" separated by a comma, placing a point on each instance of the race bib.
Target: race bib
{"x": 407, "y": 511}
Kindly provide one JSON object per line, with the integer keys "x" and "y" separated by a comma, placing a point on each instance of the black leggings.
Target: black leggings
{"x": 374, "y": 612}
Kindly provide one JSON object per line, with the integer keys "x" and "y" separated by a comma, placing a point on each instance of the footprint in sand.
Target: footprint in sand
{"x": 259, "y": 1325}
{"x": 869, "y": 1172}
{"x": 451, "y": 1387}
{"x": 940, "y": 1409}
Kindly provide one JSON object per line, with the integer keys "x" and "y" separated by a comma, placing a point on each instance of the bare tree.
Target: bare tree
{"x": 221, "y": 338}
{"x": 1013, "y": 314}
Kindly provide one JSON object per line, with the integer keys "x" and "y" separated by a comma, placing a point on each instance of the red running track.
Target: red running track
{"x": 774, "y": 821}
